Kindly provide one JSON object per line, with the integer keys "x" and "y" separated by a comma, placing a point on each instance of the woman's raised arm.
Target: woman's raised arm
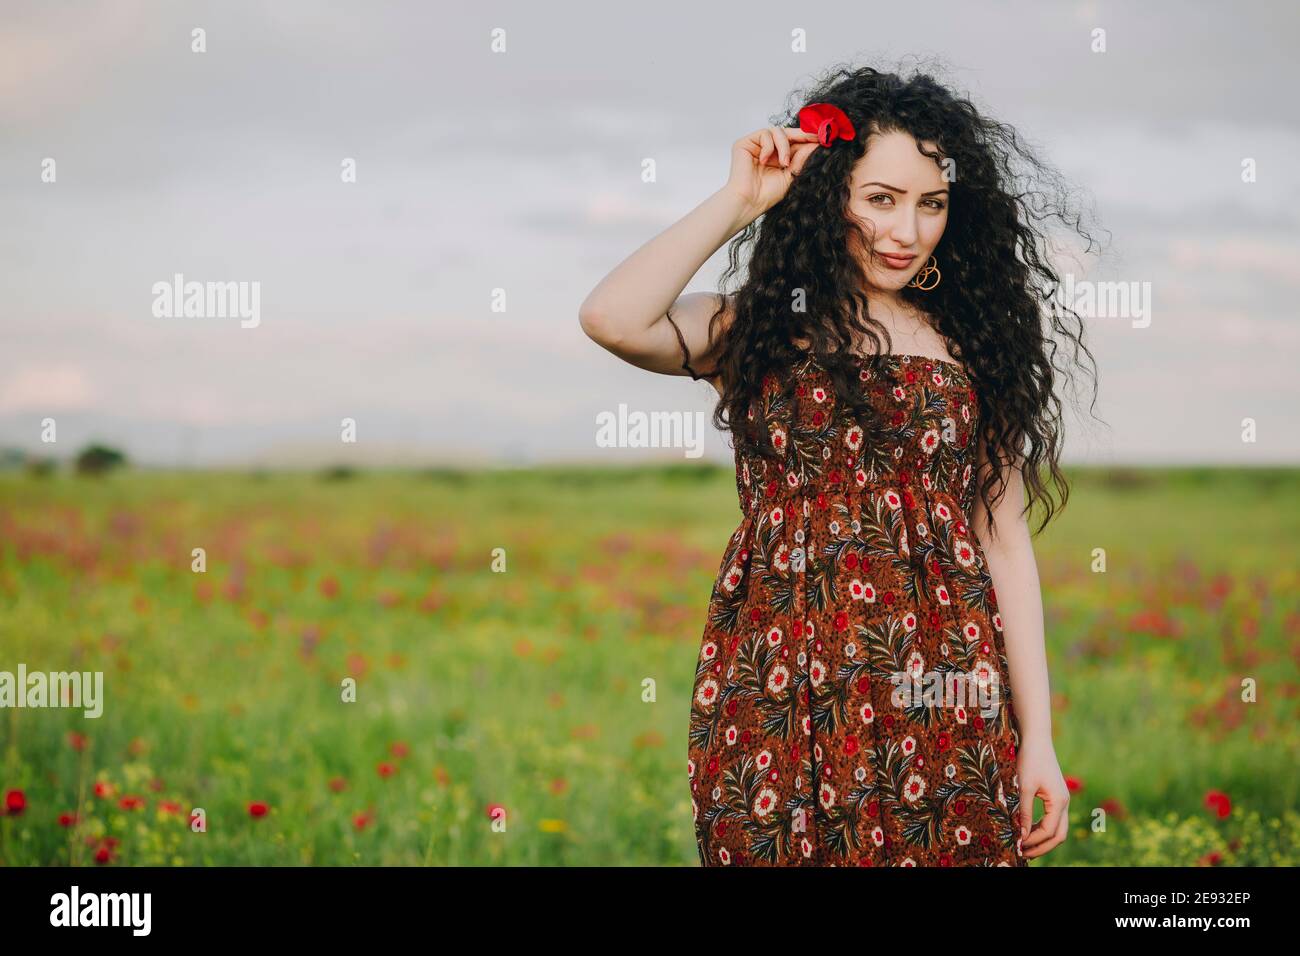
{"x": 627, "y": 312}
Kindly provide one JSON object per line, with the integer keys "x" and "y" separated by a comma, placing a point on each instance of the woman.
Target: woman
{"x": 886, "y": 373}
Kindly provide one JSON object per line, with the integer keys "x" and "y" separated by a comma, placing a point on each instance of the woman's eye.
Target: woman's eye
{"x": 872, "y": 199}
{"x": 936, "y": 203}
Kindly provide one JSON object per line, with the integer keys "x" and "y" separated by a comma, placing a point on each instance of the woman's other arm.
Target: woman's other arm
{"x": 1014, "y": 571}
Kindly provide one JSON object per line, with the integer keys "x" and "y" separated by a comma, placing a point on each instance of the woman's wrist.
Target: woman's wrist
{"x": 742, "y": 213}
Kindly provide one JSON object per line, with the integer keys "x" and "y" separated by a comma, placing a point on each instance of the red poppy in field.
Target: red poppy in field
{"x": 257, "y": 809}
{"x": 361, "y": 820}
{"x": 399, "y": 748}
{"x": 329, "y": 586}
{"x": 495, "y": 810}
{"x": 131, "y": 802}
{"x": 77, "y": 741}
{"x": 15, "y": 802}
{"x": 103, "y": 855}
{"x": 104, "y": 789}
{"x": 338, "y": 784}
{"x": 67, "y": 819}
{"x": 1073, "y": 784}
{"x": 1114, "y": 808}
{"x": 386, "y": 770}
{"x": 1218, "y": 801}
{"x": 169, "y": 806}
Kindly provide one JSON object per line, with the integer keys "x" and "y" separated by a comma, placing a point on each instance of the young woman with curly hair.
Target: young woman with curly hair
{"x": 872, "y": 685}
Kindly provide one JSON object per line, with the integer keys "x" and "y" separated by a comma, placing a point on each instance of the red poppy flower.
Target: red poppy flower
{"x": 257, "y": 809}
{"x": 15, "y": 802}
{"x": 1219, "y": 802}
{"x": 67, "y": 819}
{"x": 827, "y": 121}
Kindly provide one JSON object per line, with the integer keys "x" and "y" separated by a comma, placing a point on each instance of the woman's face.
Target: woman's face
{"x": 900, "y": 199}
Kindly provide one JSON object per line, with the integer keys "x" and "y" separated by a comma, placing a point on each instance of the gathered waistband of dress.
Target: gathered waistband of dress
{"x": 848, "y": 488}
{"x": 790, "y": 497}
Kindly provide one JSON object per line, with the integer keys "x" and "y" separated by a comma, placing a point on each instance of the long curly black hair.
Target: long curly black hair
{"x": 996, "y": 304}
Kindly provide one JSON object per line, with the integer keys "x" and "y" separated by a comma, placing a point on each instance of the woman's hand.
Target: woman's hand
{"x": 1040, "y": 776}
{"x": 764, "y": 163}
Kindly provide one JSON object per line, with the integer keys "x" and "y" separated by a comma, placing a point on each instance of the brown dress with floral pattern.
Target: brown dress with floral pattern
{"x": 851, "y": 704}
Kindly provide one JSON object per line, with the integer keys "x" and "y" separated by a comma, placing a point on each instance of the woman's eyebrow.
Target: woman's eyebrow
{"x": 932, "y": 192}
{"x": 902, "y": 191}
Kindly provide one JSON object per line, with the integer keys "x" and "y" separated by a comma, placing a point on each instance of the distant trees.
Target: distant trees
{"x": 98, "y": 459}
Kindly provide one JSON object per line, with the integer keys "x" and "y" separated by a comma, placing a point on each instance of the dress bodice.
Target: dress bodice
{"x": 922, "y": 436}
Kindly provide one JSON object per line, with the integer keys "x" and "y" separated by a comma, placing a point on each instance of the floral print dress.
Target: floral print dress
{"x": 851, "y": 705}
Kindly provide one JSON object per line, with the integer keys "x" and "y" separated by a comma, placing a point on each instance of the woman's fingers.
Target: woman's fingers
{"x": 801, "y": 153}
{"x": 782, "y": 144}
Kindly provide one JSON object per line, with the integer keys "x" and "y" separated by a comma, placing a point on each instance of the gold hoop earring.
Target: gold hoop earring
{"x": 930, "y": 269}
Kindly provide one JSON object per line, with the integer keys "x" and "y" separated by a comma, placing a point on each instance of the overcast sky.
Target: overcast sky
{"x": 522, "y": 171}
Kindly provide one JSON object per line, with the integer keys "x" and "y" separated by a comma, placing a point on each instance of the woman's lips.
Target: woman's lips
{"x": 896, "y": 261}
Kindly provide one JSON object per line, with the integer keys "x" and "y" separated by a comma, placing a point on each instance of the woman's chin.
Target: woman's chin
{"x": 887, "y": 280}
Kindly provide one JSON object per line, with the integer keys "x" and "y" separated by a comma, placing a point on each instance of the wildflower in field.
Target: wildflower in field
{"x": 67, "y": 819}
{"x": 338, "y": 784}
{"x": 169, "y": 807}
{"x": 131, "y": 802}
{"x": 329, "y": 586}
{"x": 257, "y": 809}
{"x": 559, "y": 785}
{"x": 15, "y": 802}
{"x": 104, "y": 789}
{"x": 105, "y": 848}
{"x": 399, "y": 748}
{"x": 495, "y": 810}
{"x": 362, "y": 820}
{"x": 552, "y": 826}
{"x": 1073, "y": 784}
{"x": 357, "y": 665}
{"x": 386, "y": 770}
{"x": 1218, "y": 801}
{"x": 77, "y": 741}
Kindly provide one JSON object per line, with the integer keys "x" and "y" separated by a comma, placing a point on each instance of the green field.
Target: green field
{"x": 524, "y": 688}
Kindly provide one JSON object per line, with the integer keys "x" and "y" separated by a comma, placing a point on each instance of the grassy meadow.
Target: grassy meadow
{"x": 523, "y": 691}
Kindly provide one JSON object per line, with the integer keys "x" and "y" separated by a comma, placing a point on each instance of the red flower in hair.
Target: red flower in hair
{"x": 827, "y": 121}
